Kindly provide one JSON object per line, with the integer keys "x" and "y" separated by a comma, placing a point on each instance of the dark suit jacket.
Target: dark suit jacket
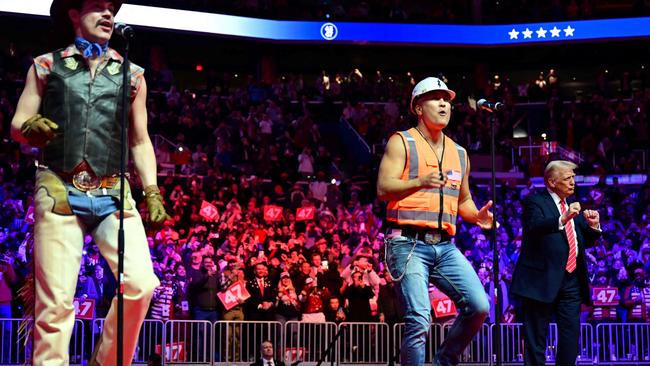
{"x": 259, "y": 362}
{"x": 545, "y": 250}
{"x": 252, "y": 312}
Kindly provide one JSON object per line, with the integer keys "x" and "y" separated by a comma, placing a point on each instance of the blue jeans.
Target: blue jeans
{"x": 445, "y": 266}
{"x": 91, "y": 210}
{"x": 210, "y": 315}
{"x": 203, "y": 335}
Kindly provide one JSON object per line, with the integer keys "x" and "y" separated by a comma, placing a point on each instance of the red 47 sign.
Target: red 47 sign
{"x": 605, "y": 296}
{"x": 174, "y": 352}
{"x": 208, "y": 211}
{"x": 293, "y": 354}
{"x": 441, "y": 304}
{"x": 229, "y": 298}
{"x": 84, "y": 308}
{"x": 272, "y": 213}
{"x": 443, "y": 308}
{"x": 305, "y": 213}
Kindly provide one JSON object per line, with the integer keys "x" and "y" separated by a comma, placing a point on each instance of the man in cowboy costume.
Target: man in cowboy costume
{"x": 71, "y": 108}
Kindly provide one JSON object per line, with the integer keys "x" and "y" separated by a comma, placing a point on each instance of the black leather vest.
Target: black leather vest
{"x": 88, "y": 113}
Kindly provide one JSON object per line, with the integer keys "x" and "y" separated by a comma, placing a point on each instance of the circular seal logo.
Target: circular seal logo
{"x": 329, "y": 31}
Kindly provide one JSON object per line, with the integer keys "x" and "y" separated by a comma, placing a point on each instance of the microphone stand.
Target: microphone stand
{"x": 496, "y": 346}
{"x": 330, "y": 346}
{"x": 126, "y": 86}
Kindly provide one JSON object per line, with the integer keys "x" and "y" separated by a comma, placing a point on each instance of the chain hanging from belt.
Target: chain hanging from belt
{"x": 408, "y": 259}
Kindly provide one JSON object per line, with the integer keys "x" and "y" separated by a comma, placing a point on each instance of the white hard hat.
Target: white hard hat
{"x": 428, "y": 85}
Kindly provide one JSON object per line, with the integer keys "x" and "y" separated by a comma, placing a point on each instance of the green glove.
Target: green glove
{"x": 157, "y": 214}
{"x": 38, "y": 130}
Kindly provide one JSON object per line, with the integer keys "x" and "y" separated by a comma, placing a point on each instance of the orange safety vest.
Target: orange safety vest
{"x": 422, "y": 208}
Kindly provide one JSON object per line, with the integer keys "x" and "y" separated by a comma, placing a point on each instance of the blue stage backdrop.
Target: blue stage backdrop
{"x": 362, "y": 33}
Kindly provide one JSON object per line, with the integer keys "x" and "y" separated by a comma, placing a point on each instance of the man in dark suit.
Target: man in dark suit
{"x": 267, "y": 358}
{"x": 261, "y": 304}
{"x": 550, "y": 278}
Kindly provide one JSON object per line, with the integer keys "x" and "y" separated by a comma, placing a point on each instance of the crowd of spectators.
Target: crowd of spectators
{"x": 243, "y": 149}
{"x": 412, "y": 11}
{"x": 606, "y": 126}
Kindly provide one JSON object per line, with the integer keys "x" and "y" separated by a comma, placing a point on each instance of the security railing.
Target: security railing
{"x": 78, "y": 348}
{"x": 512, "y": 346}
{"x": 364, "y": 344}
{"x": 585, "y": 344}
{"x": 189, "y": 342}
{"x": 478, "y": 350}
{"x": 307, "y": 342}
{"x": 16, "y": 350}
{"x": 149, "y": 341}
{"x": 240, "y": 342}
{"x": 13, "y": 349}
{"x": 623, "y": 343}
{"x": 433, "y": 341}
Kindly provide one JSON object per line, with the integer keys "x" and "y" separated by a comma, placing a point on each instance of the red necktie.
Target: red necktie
{"x": 260, "y": 282}
{"x": 573, "y": 247}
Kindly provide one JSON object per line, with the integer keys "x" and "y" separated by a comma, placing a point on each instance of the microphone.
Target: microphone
{"x": 490, "y": 106}
{"x": 125, "y": 31}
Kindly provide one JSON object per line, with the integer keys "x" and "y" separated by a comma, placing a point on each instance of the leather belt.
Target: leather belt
{"x": 425, "y": 234}
{"x": 85, "y": 180}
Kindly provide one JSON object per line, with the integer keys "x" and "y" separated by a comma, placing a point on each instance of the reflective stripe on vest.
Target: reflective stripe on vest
{"x": 419, "y": 216}
{"x": 413, "y": 158}
{"x": 422, "y": 208}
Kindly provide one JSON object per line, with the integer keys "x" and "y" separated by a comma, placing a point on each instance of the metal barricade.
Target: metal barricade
{"x": 363, "y": 344}
{"x": 16, "y": 350}
{"x": 478, "y": 350}
{"x": 623, "y": 343}
{"x": 433, "y": 341}
{"x": 240, "y": 342}
{"x": 512, "y": 344}
{"x": 12, "y": 348}
{"x": 78, "y": 348}
{"x": 586, "y": 354}
{"x": 149, "y": 340}
{"x": 307, "y": 342}
{"x": 585, "y": 344}
{"x": 188, "y": 342}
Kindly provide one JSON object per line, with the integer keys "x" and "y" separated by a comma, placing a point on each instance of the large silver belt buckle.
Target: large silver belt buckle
{"x": 85, "y": 181}
{"x": 432, "y": 237}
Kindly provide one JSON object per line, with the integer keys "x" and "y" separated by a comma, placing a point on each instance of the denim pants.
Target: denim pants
{"x": 58, "y": 245}
{"x": 446, "y": 267}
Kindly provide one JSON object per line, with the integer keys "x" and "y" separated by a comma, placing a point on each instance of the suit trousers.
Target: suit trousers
{"x": 58, "y": 245}
{"x": 537, "y": 316}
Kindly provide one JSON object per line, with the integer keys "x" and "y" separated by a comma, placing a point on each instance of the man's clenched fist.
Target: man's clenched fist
{"x": 573, "y": 211}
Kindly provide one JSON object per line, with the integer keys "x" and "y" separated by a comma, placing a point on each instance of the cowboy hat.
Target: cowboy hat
{"x": 59, "y": 12}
